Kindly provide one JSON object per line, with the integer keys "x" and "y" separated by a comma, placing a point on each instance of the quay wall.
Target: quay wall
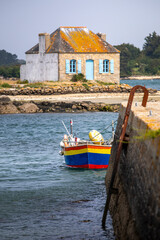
{"x": 135, "y": 210}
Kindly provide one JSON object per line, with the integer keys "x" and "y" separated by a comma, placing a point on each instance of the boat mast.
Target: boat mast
{"x": 66, "y": 129}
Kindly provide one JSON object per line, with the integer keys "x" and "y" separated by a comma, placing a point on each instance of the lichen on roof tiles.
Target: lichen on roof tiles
{"x": 76, "y": 39}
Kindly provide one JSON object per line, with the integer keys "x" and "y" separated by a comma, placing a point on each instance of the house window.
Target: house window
{"x": 105, "y": 66}
{"x": 73, "y": 66}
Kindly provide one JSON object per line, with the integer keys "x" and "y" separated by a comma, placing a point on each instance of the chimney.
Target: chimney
{"x": 102, "y": 36}
{"x": 44, "y": 42}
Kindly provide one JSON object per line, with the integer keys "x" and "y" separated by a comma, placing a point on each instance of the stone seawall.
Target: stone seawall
{"x": 72, "y": 89}
{"x": 136, "y": 208}
{"x": 9, "y": 107}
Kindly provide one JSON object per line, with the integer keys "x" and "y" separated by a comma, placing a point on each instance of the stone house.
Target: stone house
{"x": 68, "y": 51}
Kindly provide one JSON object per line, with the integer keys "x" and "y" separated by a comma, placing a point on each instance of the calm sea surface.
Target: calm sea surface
{"x": 40, "y": 198}
{"x": 153, "y": 83}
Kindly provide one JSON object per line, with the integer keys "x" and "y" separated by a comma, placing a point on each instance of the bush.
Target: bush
{"x": 22, "y": 82}
{"x": 106, "y": 108}
{"x": 78, "y": 77}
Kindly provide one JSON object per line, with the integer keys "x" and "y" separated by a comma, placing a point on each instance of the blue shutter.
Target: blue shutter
{"x": 67, "y": 66}
{"x": 100, "y": 66}
{"x": 112, "y": 66}
{"x": 79, "y": 66}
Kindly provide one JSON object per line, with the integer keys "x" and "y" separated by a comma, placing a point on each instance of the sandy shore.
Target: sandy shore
{"x": 108, "y": 98}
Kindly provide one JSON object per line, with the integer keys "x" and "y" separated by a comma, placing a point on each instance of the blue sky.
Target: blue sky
{"x": 123, "y": 21}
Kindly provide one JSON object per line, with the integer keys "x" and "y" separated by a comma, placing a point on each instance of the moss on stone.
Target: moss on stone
{"x": 148, "y": 134}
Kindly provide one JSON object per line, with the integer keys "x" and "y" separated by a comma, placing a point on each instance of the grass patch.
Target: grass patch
{"x": 35, "y": 85}
{"x": 105, "y": 83}
{"x": 5, "y": 85}
{"x": 86, "y": 86}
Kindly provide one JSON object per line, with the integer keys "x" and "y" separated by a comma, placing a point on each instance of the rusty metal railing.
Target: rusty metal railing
{"x": 111, "y": 189}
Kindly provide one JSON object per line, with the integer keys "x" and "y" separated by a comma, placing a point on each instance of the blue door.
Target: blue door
{"x": 89, "y": 69}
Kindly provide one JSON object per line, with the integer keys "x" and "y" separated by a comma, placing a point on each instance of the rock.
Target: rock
{"x": 28, "y": 108}
{"x": 8, "y": 108}
{"x": 4, "y": 99}
{"x": 74, "y": 107}
{"x": 85, "y": 105}
{"x": 79, "y": 107}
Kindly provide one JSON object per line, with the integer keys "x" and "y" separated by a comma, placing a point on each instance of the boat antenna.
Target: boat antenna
{"x": 71, "y": 126}
{"x": 66, "y": 129}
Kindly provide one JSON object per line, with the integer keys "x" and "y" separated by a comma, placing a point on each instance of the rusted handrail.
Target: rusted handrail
{"x": 121, "y": 139}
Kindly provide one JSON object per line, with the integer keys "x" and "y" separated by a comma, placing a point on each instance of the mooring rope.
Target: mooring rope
{"x": 104, "y": 129}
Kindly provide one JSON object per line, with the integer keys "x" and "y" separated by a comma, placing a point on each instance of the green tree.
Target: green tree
{"x": 128, "y": 53}
{"x": 136, "y": 62}
{"x": 153, "y": 66}
{"x": 7, "y": 58}
{"x": 10, "y": 71}
{"x": 151, "y": 46}
{"x": 156, "y": 53}
{"x": 9, "y": 64}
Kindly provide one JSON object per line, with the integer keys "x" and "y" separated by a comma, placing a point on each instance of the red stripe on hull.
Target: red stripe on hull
{"x": 99, "y": 147}
{"x": 85, "y": 146}
{"x": 78, "y": 166}
{"x": 90, "y": 166}
{"x": 93, "y": 166}
{"x": 75, "y": 148}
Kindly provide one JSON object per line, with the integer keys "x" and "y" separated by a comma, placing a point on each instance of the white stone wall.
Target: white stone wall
{"x": 23, "y": 72}
{"x": 40, "y": 67}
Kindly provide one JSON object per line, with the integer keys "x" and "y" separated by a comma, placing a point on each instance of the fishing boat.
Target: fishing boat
{"x": 92, "y": 154}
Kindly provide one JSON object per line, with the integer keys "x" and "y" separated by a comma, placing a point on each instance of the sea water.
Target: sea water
{"x": 152, "y": 83}
{"x": 40, "y": 198}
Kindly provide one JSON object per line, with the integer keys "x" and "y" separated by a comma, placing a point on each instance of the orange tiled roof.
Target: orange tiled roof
{"x": 76, "y": 39}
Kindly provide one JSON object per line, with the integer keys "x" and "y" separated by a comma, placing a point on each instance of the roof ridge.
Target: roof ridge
{"x": 59, "y": 38}
{"x": 71, "y": 27}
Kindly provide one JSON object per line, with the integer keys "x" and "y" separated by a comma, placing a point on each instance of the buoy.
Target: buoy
{"x": 96, "y": 137}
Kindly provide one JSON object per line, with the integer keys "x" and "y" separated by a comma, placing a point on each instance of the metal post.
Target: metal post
{"x": 121, "y": 139}
{"x": 112, "y": 129}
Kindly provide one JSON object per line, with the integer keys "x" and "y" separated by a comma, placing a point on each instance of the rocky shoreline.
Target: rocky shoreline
{"x": 66, "y": 98}
{"x": 11, "y": 107}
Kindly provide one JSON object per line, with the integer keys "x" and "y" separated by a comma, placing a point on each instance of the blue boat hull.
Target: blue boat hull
{"x": 87, "y": 156}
